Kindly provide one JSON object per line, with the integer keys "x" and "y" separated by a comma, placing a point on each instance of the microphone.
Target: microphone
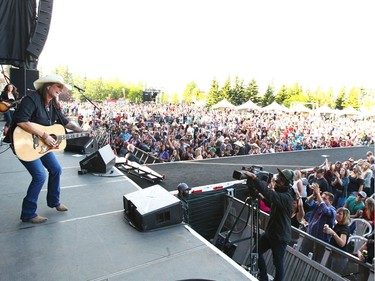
{"x": 30, "y": 90}
{"x": 78, "y": 88}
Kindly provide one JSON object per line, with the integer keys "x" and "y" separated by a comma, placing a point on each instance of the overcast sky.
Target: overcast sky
{"x": 168, "y": 43}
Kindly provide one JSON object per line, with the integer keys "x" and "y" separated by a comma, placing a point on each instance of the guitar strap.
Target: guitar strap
{"x": 58, "y": 113}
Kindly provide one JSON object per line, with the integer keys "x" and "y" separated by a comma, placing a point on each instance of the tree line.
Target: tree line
{"x": 237, "y": 93}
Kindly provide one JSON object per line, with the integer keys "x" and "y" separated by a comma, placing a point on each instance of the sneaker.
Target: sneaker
{"x": 37, "y": 219}
{"x": 61, "y": 208}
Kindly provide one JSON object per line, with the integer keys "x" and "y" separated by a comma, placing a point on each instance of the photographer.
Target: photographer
{"x": 278, "y": 231}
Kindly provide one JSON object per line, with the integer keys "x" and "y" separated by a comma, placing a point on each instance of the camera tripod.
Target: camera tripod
{"x": 250, "y": 260}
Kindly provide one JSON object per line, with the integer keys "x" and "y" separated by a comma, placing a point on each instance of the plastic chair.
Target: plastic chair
{"x": 355, "y": 242}
{"x": 362, "y": 227}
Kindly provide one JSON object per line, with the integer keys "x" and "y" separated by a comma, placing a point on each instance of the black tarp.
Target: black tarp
{"x": 17, "y": 22}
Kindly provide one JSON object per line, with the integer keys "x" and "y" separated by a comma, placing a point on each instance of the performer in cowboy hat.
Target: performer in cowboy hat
{"x": 42, "y": 108}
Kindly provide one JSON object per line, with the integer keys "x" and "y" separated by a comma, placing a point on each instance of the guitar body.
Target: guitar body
{"x": 3, "y": 107}
{"x": 29, "y": 147}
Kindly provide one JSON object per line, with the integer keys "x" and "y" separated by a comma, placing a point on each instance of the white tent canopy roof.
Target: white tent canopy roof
{"x": 324, "y": 109}
{"x": 249, "y": 105}
{"x": 299, "y": 108}
{"x": 348, "y": 111}
{"x": 273, "y": 107}
{"x": 224, "y": 103}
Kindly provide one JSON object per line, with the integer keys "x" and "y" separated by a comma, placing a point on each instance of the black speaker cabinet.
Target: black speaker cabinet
{"x": 99, "y": 162}
{"x": 84, "y": 145}
{"x": 40, "y": 34}
{"x": 152, "y": 207}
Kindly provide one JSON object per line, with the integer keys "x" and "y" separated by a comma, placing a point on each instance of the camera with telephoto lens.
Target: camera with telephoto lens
{"x": 257, "y": 170}
{"x": 260, "y": 174}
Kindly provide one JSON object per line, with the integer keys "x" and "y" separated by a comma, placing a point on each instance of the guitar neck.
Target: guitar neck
{"x": 71, "y": 136}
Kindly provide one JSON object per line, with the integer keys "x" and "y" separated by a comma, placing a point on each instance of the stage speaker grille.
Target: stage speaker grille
{"x": 152, "y": 207}
{"x": 40, "y": 34}
{"x": 100, "y": 161}
{"x": 84, "y": 145}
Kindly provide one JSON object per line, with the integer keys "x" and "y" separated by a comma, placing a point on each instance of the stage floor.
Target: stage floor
{"x": 93, "y": 241}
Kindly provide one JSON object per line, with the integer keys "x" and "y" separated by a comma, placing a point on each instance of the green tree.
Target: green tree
{"x": 237, "y": 94}
{"x": 353, "y": 98}
{"x": 340, "y": 100}
{"x": 367, "y": 97}
{"x": 252, "y": 92}
{"x": 315, "y": 102}
{"x": 114, "y": 89}
{"x": 225, "y": 91}
{"x": 321, "y": 97}
{"x": 175, "y": 99}
{"x": 327, "y": 99}
{"x": 165, "y": 98}
{"x": 95, "y": 90}
{"x": 135, "y": 93}
{"x": 213, "y": 95}
{"x": 294, "y": 94}
{"x": 281, "y": 95}
{"x": 268, "y": 97}
{"x": 190, "y": 93}
{"x": 201, "y": 96}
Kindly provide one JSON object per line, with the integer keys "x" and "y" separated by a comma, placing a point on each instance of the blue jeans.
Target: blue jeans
{"x": 8, "y": 117}
{"x": 37, "y": 171}
{"x": 278, "y": 250}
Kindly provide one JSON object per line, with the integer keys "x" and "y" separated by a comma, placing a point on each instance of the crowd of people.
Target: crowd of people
{"x": 329, "y": 199}
{"x": 173, "y": 132}
{"x": 326, "y": 202}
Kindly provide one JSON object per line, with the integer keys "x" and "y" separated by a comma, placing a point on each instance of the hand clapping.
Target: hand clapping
{"x": 315, "y": 188}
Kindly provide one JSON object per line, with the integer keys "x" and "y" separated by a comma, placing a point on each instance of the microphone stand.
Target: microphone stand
{"x": 93, "y": 123}
{"x": 81, "y": 91}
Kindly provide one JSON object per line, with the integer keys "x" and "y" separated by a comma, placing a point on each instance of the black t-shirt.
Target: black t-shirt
{"x": 340, "y": 229}
{"x": 294, "y": 221}
{"x": 323, "y": 184}
{"x": 354, "y": 184}
{"x": 32, "y": 109}
{"x": 279, "y": 225}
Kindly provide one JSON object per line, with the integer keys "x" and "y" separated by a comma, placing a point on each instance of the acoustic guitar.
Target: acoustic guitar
{"x": 4, "y": 107}
{"x": 29, "y": 147}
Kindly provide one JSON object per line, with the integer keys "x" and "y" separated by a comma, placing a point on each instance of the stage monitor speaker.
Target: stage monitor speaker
{"x": 152, "y": 207}
{"x": 84, "y": 145}
{"x": 23, "y": 79}
{"x": 99, "y": 162}
{"x": 40, "y": 34}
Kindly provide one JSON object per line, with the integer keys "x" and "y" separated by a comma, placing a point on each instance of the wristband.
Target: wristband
{"x": 44, "y": 136}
